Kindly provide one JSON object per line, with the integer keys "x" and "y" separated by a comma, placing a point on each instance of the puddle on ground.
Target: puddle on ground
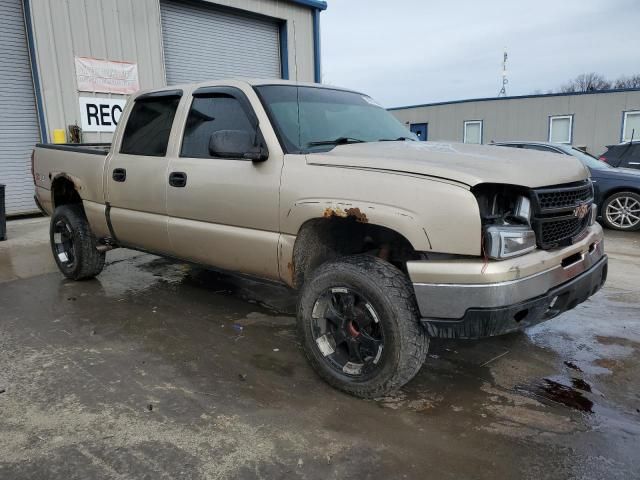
{"x": 580, "y": 384}
{"x": 548, "y": 390}
{"x": 572, "y": 366}
{"x": 273, "y": 364}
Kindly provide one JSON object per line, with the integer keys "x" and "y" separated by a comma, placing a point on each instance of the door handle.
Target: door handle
{"x": 178, "y": 179}
{"x": 119, "y": 174}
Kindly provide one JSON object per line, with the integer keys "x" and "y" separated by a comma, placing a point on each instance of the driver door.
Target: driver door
{"x": 223, "y": 212}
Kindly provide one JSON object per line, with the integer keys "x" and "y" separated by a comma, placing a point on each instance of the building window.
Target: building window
{"x": 631, "y": 126}
{"x": 561, "y": 129}
{"x": 472, "y": 131}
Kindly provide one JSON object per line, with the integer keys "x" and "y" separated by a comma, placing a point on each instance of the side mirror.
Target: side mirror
{"x": 236, "y": 144}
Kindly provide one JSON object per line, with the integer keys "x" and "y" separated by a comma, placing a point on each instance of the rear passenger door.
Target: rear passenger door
{"x": 224, "y": 211}
{"x": 136, "y": 175}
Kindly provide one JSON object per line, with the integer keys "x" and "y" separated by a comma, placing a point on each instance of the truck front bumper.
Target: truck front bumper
{"x": 474, "y": 310}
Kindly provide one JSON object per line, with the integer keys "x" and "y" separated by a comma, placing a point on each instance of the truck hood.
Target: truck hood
{"x": 468, "y": 164}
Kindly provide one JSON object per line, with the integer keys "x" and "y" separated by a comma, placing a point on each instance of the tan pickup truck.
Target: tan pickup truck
{"x": 389, "y": 241}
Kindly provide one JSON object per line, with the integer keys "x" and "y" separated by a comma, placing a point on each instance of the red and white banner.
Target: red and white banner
{"x": 106, "y": 76}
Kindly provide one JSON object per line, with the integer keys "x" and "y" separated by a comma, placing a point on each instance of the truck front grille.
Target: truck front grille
{"x": 561, "y": 214}
{"x": 564, "y": 198}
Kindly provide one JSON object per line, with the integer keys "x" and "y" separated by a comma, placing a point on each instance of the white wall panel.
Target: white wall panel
{"x": 597, "y": 117}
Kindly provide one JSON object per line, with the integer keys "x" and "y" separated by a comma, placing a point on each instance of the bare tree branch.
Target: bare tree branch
{"x": 586, "y": 82}
{"x": 632, "y": 81}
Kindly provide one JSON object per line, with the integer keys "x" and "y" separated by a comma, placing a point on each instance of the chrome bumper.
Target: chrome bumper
{"x": 451, "y": 301}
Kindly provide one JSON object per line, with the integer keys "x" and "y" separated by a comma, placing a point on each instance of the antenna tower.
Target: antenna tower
{"x": 503, "y": 90}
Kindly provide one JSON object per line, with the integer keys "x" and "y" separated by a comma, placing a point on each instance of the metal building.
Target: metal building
{"x": 590, "y": 120}
{"x": 163, "y": 42}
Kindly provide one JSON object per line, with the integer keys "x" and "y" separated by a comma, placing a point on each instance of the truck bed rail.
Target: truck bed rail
{"x": 91, "y": 148}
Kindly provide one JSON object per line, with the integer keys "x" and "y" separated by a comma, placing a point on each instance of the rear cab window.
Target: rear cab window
{"x": 149, "y": 124}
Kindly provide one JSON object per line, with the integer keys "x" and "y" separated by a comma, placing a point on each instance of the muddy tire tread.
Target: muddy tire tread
{"x": 90, "y": 261}
{"x": 414, "y": 342}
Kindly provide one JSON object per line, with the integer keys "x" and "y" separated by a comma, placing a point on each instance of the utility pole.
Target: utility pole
{"x": 503, "y": 90}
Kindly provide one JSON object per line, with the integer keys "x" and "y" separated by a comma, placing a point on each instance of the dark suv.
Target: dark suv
{"x": 623, "y": 155}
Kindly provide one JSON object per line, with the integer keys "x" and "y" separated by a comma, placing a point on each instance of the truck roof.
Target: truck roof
{"x": 240, "y": 81}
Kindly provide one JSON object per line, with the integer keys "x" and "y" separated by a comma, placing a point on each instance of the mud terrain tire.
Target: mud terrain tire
{"x": 385, "y": 293}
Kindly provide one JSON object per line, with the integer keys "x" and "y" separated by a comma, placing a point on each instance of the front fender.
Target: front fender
{"x": 402, "y": 221}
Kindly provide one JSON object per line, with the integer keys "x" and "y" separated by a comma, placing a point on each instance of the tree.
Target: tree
{"x": 632, "y": 81}
{"x": 586, "y": 82}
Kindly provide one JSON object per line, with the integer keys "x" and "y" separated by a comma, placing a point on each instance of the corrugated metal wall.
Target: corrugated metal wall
{"x": 597, "y": 120}
{"x": 130, "y": 30}
{"x": 125, "y": 30}
{"x": 18, "y": 118}
{"x": 299, "y": 31}
{"x": 228, "y": 44}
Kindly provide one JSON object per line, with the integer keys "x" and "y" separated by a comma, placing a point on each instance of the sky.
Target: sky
{"x": 406, "y": 52}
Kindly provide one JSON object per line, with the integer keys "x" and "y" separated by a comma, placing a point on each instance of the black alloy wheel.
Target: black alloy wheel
{"x": 347, "y": 332}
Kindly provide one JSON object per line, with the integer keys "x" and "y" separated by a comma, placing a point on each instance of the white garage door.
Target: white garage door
{"x": 18, "y": 118}
{"x": 207, "y": 43}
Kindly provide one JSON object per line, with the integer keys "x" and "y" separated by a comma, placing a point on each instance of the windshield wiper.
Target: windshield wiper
{"x": 337, "y": 141}
{"x": 399, "y": 139}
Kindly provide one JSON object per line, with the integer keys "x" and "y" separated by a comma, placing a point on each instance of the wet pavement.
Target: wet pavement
{"x": 159, "y": 369}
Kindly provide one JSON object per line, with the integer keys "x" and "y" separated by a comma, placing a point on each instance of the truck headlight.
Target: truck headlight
{"x": 505, "y": 241}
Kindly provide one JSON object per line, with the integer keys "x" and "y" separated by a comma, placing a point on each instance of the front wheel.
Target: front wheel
{"x": 358, "y": 320}
{"x": 73, "y": 244}
{"x": 621, "y": 211}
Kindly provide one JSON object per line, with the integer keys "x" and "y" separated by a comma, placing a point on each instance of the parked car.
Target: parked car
{"x": 623, "y": 155}
{"x": 388, "y": 240}
{"x": 617, "y": 190}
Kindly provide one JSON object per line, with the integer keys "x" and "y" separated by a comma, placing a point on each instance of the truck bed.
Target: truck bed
{"x": 80, "y": 163}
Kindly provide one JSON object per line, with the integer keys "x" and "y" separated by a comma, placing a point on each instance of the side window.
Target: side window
{"x": 210, "y": 114}
{"x": 149, "y": 125}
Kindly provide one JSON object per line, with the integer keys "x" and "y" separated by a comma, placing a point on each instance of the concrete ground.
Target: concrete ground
{"x": 157, "y": 369}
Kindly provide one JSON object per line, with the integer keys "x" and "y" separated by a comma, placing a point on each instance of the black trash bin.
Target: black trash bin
{"x": 3, "y": 215}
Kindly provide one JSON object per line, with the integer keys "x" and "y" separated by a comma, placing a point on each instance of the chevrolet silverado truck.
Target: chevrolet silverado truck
{"x": 389, "y": 241}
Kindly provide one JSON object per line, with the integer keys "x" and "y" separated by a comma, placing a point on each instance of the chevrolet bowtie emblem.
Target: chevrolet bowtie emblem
{"x": 581, "y": 211}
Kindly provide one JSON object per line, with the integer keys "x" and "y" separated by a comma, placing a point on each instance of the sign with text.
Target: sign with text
{"x": 100, "y": 114}
{"x": 106, "y": 76}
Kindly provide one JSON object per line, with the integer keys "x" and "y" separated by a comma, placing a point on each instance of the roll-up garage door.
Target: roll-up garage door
{"x": 203, "y": 42}
{"x": 18, "y": 118}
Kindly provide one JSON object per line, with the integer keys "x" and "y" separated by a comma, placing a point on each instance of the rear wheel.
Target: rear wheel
{"x": 74, "y": 246}
{"x": 359, "y": 323}
{"x": 621, "y": 211}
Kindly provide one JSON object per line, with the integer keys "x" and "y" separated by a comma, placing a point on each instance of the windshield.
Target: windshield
{"x": 312, "y": 119}
{"x": 588, "y": 160}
